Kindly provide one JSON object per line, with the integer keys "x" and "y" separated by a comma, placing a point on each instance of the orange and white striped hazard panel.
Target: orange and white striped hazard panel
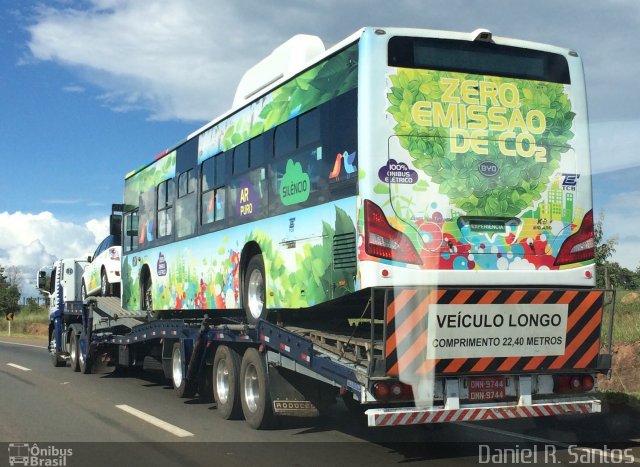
{"x": 475, "y": 331}
{"x": 415, "y": 416}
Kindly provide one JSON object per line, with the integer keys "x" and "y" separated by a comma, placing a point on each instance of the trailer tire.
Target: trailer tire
{"x": 226, "y": 382}
{"x": 84, "y": 359}
{"x": 254, "y": 394}
{"x": 181, "y": 386}
{"x": 253, "y": 293}
{"x": 74, "y": 351}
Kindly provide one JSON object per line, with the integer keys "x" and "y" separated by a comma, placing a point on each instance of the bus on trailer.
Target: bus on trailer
{"x": 432, "y": 187}
{"x": 401, "y": 158}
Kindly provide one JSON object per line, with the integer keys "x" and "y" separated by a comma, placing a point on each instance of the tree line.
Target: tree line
{"x": 9, "y": 290}
{"x": 609, "y": 274}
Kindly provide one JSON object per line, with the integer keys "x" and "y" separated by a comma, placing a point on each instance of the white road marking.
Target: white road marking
{"x": 19, "y": 367}
{"x": 174, "y": 430}
{"x": 593, "y": 452}
{"x": 26, "y": 345}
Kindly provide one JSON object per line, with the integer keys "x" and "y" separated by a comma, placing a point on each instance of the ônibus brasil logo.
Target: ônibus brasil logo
{"x": 34, "y": 455}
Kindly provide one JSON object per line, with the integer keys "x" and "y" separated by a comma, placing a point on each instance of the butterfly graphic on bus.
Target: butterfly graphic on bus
{"x": 348, "y": 161}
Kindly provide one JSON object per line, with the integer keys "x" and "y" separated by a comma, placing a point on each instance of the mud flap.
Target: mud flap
{"x": 292, "y": 394}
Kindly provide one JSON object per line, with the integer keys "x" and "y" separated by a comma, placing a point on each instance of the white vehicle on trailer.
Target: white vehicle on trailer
{"x": 404, "y": 219}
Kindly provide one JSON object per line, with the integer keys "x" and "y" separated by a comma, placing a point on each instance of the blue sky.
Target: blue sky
{"x": 92, "y": 89}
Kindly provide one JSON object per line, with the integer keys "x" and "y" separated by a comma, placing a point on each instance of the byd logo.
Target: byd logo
{"x": 488, "y": 168}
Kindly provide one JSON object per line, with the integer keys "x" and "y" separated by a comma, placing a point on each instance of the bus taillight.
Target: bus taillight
{"x": 383, "y": 241}
{"x": 580, "y": 246}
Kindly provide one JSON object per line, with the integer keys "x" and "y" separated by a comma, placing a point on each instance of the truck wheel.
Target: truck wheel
{"x": 253, "y": 290}
{"x": 74, "y": 352}
{"x": 84, "y": 358}
{"x": 178, "y": 377}
{"x": 56, "y": 360}
{"x": 254, "y": 393}
{"x": 105, "y": 287}
{"x": 226, "y": 382}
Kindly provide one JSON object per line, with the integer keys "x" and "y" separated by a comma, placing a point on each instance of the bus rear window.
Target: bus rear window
{"x": 481, "y": 58}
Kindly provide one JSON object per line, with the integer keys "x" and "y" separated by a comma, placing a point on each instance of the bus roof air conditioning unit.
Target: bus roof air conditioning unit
{"x": 285, "y": 60}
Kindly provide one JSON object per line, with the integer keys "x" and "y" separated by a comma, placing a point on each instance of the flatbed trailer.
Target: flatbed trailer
{"x": 380, "y": 362}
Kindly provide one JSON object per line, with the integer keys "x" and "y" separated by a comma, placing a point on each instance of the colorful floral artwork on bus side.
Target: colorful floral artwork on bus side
{"x": 325, "y": 81}
{"x": 162, "y": 169}
{"x": 197, "y": 275}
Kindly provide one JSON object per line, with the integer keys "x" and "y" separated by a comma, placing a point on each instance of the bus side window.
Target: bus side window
{"x": 285, "y": 140}
{"x": 147, "y": 217}
{"x": 257, "y": 151}
{"x": 130, "y": 231}
{"x": 186, "y": 209}
{"x": 240, "y": 158}
{"x": 165, "y": 208}
{"x": 309, "y": 128}
{"x": 212, "y": 207}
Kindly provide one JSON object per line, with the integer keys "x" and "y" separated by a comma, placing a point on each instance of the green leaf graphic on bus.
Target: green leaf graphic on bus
{"x": 325, "y": 81}
{"x": 295, "y": 186}
{"x": 451, "y": 123}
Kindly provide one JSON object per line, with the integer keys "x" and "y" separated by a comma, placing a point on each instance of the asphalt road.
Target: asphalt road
{"x": 98, "y": 417}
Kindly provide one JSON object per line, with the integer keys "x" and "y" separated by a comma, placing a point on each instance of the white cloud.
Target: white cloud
{"x": 99, "y": 228}
{"x": 174, "y": 59}
{"x": 183, "y": 58}
{"x": 31, "y": 241}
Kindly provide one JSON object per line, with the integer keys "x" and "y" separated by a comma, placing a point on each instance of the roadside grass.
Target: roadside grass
{"x": 25, "y": 321}
{"x": 626, "y": 319}
{"x": 628, "y": 399}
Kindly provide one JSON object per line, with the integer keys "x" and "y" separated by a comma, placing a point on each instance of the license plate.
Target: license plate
{"x": 487, "y": 388}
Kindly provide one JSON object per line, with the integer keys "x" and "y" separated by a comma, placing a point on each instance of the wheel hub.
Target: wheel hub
{"x": 255, "y": 294}
{"x": 251, "y": 388}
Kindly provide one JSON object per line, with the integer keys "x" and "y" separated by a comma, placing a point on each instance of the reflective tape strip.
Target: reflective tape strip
{"x": 412, "y": 416}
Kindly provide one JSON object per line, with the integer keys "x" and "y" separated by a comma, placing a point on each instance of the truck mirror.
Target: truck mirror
{"x": 115, "y": 224}
{"x": 42, "y": 280}
{"x": 88, "y": 259}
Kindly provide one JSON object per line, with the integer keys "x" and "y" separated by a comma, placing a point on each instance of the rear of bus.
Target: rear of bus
{"x": 475, "y": 214}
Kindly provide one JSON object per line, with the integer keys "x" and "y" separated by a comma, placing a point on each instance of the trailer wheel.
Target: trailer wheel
{"x": 253, "y": 294}
{"x": 74, "y": 352}
{"x": 84, "y": 358}
{"x": 226, "y": 382}
{"x": 254, "y": 394}
{"x": 178, "y": 376}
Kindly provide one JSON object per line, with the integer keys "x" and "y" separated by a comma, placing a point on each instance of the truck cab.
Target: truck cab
{"x": 62, "y": 282}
